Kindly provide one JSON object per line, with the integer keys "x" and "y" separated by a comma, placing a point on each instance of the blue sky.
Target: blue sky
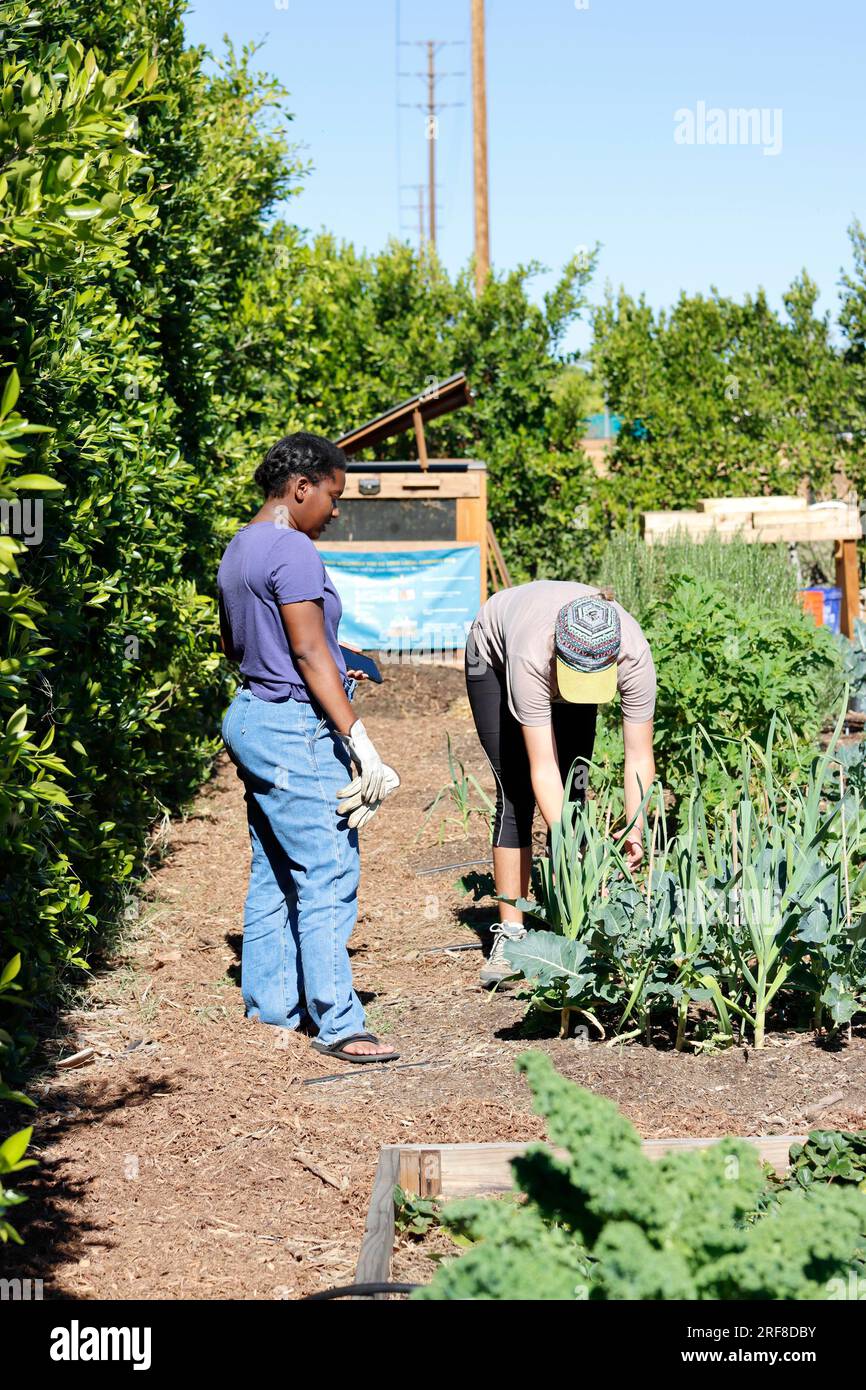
{"x": 581, "y": 110}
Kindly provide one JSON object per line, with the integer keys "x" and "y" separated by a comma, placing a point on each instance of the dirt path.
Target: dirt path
{"x": 190, "y": 1160}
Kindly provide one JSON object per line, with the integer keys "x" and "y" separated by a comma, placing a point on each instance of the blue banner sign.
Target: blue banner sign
{"x": 406, "y": 600}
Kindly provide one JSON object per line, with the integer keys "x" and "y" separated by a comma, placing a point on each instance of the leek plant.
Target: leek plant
{"x": 459, "y": 791}
{"x": 573, "y": 883}
{"x": 792, "y": 890}
{"x": 757, "y": 904}
{"x": 702, "y": 880}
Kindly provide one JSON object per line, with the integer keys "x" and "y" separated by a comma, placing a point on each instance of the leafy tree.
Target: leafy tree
{"x": 333, "y": 336}
{"x": 721, "y": 398}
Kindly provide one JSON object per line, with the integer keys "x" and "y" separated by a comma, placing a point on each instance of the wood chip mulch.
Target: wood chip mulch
{"x": 183, "y": 1156}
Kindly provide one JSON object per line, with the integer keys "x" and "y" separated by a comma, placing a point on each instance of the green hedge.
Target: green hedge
{"x": 133, "y": 192}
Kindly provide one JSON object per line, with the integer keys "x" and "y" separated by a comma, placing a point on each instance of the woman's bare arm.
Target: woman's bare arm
{"x": 544, "y": 771}
{"x": 305, "y": 628}
{"x": 638, "y": 777}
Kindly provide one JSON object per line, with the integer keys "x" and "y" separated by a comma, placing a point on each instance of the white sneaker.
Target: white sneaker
{"x": 496, "y": 967}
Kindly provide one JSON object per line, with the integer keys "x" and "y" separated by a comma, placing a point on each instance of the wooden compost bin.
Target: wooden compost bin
{"x": 418, "y": 504}
{"x": 404, "y": 506}
{"x": 473, "y": 1170}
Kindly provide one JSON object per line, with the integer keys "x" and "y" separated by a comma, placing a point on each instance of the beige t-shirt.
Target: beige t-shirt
{"x": 514, "y": 633}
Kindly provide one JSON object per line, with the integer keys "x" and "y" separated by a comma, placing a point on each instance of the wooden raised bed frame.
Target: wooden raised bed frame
{"x": 770, "y": 519}
{"x": 474, "y": 1170}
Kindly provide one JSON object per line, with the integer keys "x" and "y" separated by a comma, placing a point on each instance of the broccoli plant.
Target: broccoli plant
{"x": 603, "y": 1221}
{"x": 567, "y": 971}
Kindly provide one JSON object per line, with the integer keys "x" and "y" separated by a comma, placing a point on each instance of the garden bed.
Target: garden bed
{"x": 450, "y": 1171}
{"x": 231, "y": 1142}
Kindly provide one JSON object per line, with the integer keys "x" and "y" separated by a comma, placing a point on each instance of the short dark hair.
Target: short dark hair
{"x": 298, "y": 455}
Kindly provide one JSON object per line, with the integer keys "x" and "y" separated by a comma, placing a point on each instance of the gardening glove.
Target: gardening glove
{"x": 370, "y": 767}
{"x": 355, "y": 806}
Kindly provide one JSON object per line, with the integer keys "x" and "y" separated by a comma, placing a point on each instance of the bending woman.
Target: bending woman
{"x": 292, "y": 734}
{"x": 540, "y": 658}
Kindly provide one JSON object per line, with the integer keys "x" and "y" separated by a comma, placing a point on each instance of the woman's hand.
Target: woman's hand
{"x": 355, "y": 675}
{"x": 632, "y": 847}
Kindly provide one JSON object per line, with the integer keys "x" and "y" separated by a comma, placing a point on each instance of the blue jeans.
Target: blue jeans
{"x": 303, "y": 894}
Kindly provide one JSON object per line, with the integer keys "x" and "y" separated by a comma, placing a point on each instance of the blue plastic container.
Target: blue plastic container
{"x": 832, "y": 606}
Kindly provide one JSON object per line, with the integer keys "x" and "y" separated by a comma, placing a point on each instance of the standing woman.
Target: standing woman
{"x": 540, "y": 659}
{"x": 293, "y": 736}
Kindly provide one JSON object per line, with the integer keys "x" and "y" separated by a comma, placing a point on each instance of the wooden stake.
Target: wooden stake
{"x": 479, "y": 141}
{"x": 848, "y": 580}
{"x": 499, "y": 569}
{"x": 420, "y": 439}
{"x": 845, "y": 878}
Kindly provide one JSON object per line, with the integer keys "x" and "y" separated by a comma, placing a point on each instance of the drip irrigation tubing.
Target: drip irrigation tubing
{"x": 465, "y": 864}
{"x": 382, "y": 1071}
{"x": 358, "y": 1291}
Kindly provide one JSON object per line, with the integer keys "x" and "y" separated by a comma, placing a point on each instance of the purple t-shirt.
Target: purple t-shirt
{"x": 265, "y": 565}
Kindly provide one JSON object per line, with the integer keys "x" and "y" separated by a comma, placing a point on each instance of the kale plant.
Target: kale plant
{"x": 601, "y": 1221}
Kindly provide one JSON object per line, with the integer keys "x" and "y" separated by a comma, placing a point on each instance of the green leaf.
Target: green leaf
{"x": 135, "y": 74}
{"x": 84, "y": 211}
{"x": 11, "y": 392}
{"x": 35, "y": 482}
{"x": 16, "y": 724}
{"x": 10, "y": 970}
{"x": 547, "y": 957}
{"x": 14, "y": 1149}
{"x": 49, "y": 791}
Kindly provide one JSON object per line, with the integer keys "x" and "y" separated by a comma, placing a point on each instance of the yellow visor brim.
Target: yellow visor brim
{"x": 586, "y": 687}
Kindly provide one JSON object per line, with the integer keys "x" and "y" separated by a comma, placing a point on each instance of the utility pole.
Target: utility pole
{"x": 479, "y": 141}
{"x": 432, "y": 137}
{"x": 416, "y": 207}
{"x": 431, "y": 108}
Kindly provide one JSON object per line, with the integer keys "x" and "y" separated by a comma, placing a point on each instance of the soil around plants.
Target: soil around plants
{"x": 196, "y": 1155}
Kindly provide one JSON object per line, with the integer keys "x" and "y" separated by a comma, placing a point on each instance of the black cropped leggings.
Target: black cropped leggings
{"x": 502, "y": 740}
